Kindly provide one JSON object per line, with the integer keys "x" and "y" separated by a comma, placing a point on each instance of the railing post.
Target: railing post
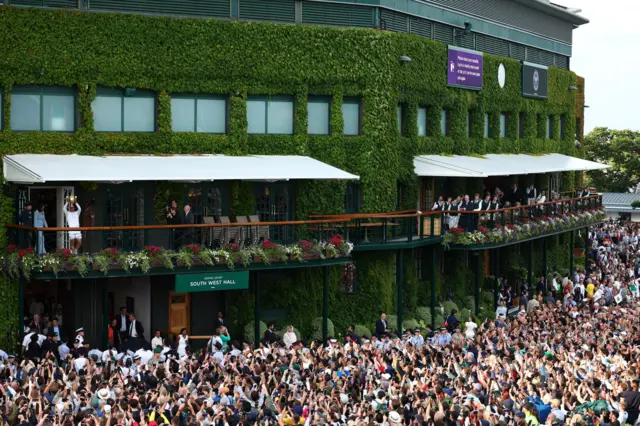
{"x": 399, "y": 283}
{"x": 256, "y": 319}
{"x": 325, "y": 304}
{"x": 571, "y": 253}
{"x": 432, "y": 224}
{"x": 433, "y": 287}
{"x": 384, "y": 230}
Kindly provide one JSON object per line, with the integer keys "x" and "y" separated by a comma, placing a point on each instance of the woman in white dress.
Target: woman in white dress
{"x": 470, "y": 328}
{"x": 183, "y": 342}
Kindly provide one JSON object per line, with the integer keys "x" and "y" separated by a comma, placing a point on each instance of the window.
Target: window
{"x": 521, "y": 125}
{"x": 44, "y": 109}
{"x": 400, "y": 111}
{"x": 444, "y": 122}
{"x": 504, "y": 118}
{"x": 422, "y": 121}
{"x": 351, "y": 116}
{"x": 486, "y": 125}
{"x": 469, "y": 123}
{"x": 271, "y": 115}
{"x": 318, "y": 109}
{"x": 562, "y": 127}
{"x": 200, "y": 114}
{"x": 548, "y": 127}
{"x": 128, "y": 110}
{"x": 418, "y": 256}
{"x": 352, "y": 198}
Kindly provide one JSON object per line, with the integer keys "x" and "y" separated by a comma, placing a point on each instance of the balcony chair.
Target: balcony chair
{"x": 232, "y": 232}
{"x": 245, "y": 231}
{"x": 260, "y": 232}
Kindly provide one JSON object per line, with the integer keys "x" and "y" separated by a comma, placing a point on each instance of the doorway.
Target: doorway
{"x": 273, "y": 204}
{"x": 53, "y": 197}
{"x": 179, "y": 312}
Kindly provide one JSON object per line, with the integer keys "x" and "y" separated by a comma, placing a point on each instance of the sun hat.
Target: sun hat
{"x": 394, "y": 417}
{"x": 103, "y": 393}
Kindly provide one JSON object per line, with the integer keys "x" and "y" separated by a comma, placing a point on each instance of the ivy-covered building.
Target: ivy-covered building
{"x": 322, "y": 109}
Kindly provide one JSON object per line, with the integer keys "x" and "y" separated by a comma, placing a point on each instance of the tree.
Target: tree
{"x": 621, "y": 150}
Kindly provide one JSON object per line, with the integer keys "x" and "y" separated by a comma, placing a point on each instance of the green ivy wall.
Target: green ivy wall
{"x": 168, "y": 55}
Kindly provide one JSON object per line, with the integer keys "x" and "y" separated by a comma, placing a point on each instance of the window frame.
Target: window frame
{"x": 352, "y": 100}
{"x": 204, "y": 97}
{"x": 506, "y": 125}
{"x": 426, "y": 121}
{"x": 320, "y": 99}
{"x": 267, "y": 99}
{"x": 107, "y": 92}
{"x": 42, "y": 91}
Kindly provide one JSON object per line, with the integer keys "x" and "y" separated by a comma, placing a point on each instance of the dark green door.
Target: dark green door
{"x": 205, "y": 201}
{"x": 273, "y": 204}
{"x": 125, "y": 207}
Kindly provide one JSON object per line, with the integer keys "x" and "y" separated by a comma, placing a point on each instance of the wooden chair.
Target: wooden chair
{"x": 260, "y": 232}
{"x": 245, "y": 231}
{"x": 232, "y": 233}
{"x": 213, "y": 234}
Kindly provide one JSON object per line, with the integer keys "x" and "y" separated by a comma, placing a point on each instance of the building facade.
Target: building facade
{"x": 360, "y": 86}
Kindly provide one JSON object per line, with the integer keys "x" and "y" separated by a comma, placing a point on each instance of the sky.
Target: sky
{"x": 606, "y": 54}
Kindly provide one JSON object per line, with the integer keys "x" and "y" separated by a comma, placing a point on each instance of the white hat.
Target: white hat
{"x": 103, "y": 393}
{"x": 386, "y": 376}
{"x": 107, "y": 409}
{"x": 80, "y": 329}
{"x": 394, "y": 417}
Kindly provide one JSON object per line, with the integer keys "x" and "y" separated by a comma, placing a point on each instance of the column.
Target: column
{"x": 571, "y": 253}
{"x": 478, "y": 269}
{"x": 325, "y": 304}
{"x": 21, "y": 282}
{"x": 497, "y": 275}
{"x": 105, "y": 314}
{"x": 545, "y": 268}
{"x": 586, "y": 250}
{"x": 530, "y": 265}
{"x": 399, "y": 282}
{"x": 433, "y": 286}
{"x": 256, "y": 310}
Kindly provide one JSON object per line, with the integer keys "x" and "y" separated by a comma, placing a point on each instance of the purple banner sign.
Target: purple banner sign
{"x": 464, "y": 68}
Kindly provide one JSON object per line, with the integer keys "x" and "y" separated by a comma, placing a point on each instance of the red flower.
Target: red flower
{"x": 152, "y": 250}
{"x": 11, "y": 248}
{"x": 304, "y": 244}
{"x": 193, "y": 247}
{"x": 232, "y": 247}
{"x": 267, "y": 245}
{"x": 64, "y": 252}
{"x": 336, "y": 240}
{"x": 21, "y": 253}
{"x": 30, "y": 250}
{"x": 483, "y": 229}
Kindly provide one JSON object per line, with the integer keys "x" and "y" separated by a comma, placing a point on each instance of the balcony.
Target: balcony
{"x": 504, "y": 227}
{"x": 161, "y": 249}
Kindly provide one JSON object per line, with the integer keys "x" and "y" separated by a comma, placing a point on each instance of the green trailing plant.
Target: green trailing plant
{"x": 82, "y": 263}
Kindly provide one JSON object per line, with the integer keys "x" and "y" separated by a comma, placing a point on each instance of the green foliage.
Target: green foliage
{"x": 635, "y": 204}
{"x": 249, "y": 331}
{"x": 410, "y": 324}
{"x": 423, "y": 314}
{"x": 621, "y": 150}
{"x": 448, "y": 307}
{"x": 362, "y": 330}
{"x": 10, "y": 304}
{"x": 317, "y": 328}
{"x": 392, "y": 322}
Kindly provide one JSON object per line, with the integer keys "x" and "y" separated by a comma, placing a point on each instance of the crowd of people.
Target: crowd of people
{"x": 495, "y": 200}
{"x": 564, "y": 360}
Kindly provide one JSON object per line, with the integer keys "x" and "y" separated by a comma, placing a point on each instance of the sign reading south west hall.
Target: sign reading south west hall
{"x": 218, "y": 281}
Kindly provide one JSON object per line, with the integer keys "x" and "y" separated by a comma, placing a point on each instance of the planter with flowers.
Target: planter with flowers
{"x": 338, "y": 247}
{"x": 269, "y": 252}
{"x": 105, "y": 260}
{"x": 24, "y": 260}
{"x": 159, "y": 257}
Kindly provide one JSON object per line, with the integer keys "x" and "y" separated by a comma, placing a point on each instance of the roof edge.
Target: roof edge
{"x": 554, "y": 10}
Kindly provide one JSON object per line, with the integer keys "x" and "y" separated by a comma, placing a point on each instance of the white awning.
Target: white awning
{"x": 41, "y": 168}
{"x": 501, "y": 164}
{"x": 424, "y": 167}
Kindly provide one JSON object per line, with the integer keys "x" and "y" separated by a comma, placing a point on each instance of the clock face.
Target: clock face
{"x": 502, "y": 75}
{"x": 536, "y": 80}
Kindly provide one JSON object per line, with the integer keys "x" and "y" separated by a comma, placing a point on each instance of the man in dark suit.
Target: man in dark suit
{"x": 123, "y": 323}
{"x": 381, "y": 326}
{"x": 466, "y": 220}
{"x": 173, "y": 218}
{"x": 516, "y": 194}
{"x": 135, "y": 339}
{"x": 351, "y": 335}
{"x": 270, "y": 336}
{"x": 187, "y": 219}
{"x": 220, "y": 322}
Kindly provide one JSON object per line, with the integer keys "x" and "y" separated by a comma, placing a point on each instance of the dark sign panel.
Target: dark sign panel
{"x": 535, "y": 80}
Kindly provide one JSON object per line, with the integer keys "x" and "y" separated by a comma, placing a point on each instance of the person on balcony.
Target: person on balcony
{"x": 72, "y": 212}
{"x": 477, "y": 206}
{"x": 438, "y": 205}
{"x": 516, "y": 194}
{"x": 26, "y": 219}
{"x": 494, "y": 205}
{"x": 187, "y": 219}
{"x": 466, "y": 220}
{"x": 173, "y": 218}
{"x": 40, "y": 221}
{"x": 532, "y": 194}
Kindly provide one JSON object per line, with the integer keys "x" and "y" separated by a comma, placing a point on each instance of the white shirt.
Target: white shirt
{"x": 79, "y": 364}
{"x": 63, "y": 350}
{"x": 132, "y": 328}
{"x": 80, "y": 339}
{"x": 157, "y": 342}
{"x": 73, "y": 218}
{"x": 123, "y": 321}
{"x": 289, "y": 338}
